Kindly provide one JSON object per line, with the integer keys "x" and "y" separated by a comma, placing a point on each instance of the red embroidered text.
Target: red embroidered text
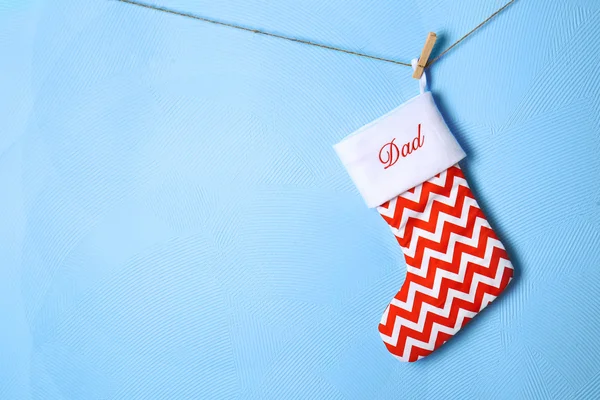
{"x": 390, "y": 153}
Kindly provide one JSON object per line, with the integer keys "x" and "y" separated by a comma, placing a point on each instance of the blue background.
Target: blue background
{"x": 175, "y": 224}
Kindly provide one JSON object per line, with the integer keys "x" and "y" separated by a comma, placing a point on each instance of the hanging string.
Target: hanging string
{"x": 308, "y": 42}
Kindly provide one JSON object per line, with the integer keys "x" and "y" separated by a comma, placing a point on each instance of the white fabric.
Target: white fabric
{"x": 399, "y": 151}
{"x": 423, "y": 81}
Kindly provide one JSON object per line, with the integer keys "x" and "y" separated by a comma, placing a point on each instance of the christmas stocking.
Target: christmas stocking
{"x": 405, "y": 164}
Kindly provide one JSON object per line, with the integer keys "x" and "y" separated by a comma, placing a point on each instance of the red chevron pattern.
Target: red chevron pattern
{"x": 455, "y": 263}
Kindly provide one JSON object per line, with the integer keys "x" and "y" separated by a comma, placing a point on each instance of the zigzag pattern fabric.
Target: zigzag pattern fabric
{"x": 456, "y": 265}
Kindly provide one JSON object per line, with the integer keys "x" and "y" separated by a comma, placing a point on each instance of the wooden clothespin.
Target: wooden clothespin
{"x": 429, "y": 43}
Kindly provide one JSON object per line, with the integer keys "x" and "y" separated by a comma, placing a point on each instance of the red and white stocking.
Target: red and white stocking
{"x": 405, "y": 164}
{"x": 456, "y": 265}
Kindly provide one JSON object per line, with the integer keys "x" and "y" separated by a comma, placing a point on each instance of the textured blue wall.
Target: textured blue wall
{"x": 175, "y": 224}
